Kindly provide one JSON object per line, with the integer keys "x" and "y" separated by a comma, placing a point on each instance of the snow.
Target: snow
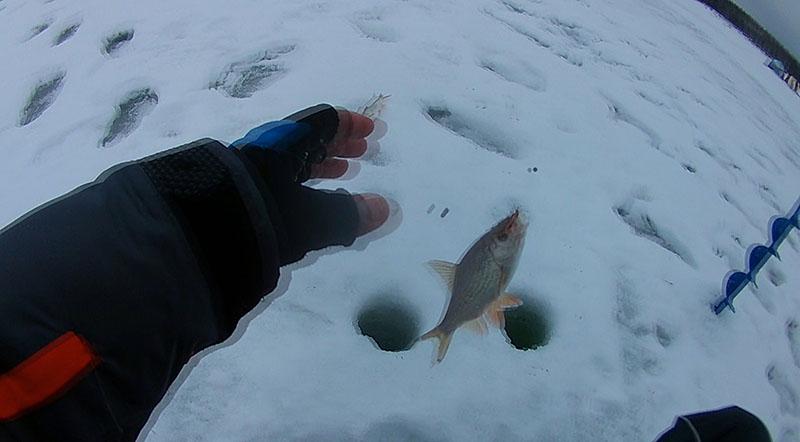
{"x": 662, "y": 147}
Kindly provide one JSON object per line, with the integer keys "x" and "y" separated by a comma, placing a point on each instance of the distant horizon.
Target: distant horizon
{"x": 781, "y": 18}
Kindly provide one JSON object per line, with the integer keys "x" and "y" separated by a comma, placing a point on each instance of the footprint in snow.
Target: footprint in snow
{"x": 243, "y": 78}
{"x": 517, "y": 71}
{"x": 481, "y": 134}
{"x": 576, "y": 35}
{"x": 372, "y": 25}
{"x": 784, "y": 388}
{"x": 636, "y": 355}
{"x": 733, "y": 202}
{"x": 518, "y": 8}
{"x": 777, "y": 278}
{"x": 636, "y": 217}
{"x": 66, "y": 34}
{"x": 116, "y": 41}
{"x": 129, "y": 114}
{"x": 42, "y": 97}
{"x": 620, "y": 113}
{"x": 533, "y": 34}
{"x": 38, "y": 29}
{"x": 793, "y": 336}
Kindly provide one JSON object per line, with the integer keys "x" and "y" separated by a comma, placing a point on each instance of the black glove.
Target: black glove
{"x": 281, "y": 155}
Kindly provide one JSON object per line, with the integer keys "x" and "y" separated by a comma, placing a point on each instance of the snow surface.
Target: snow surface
{"x": 662, "y": 147}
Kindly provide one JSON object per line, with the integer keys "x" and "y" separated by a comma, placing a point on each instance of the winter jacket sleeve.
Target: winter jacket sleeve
{"x": 154, "y": 261}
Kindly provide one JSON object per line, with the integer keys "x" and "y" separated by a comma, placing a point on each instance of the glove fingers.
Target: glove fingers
{"x": 322, "y": 117}
{"x": 373, "y": 211}
{"x": 314, "y": 219}
{"x": 352, "y": 148}
{"x": 352, "y": 126}
{"x": 319, "y": 218}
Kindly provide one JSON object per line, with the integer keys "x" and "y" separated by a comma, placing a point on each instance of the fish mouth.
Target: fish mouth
{"x": 516, "y": 225}
{"x": 518, "y": 220}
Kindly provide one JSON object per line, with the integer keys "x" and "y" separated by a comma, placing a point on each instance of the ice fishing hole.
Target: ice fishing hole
{"x": 527, "y": 326}
{"x": 391, "y": 323}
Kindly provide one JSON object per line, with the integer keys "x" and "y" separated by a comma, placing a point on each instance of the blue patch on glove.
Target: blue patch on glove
{"x": 275, "y": 135}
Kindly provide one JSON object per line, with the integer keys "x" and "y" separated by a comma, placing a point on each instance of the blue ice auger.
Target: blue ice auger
{"x": 734, "y": 283}
{"x": 737, "y": 281}
{"x": 759, "y": 256}
{"x": 779, "y": 230}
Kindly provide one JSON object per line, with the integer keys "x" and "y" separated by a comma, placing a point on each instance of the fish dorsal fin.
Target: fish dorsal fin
{"x": 446, "y": 270}
{"x": 478, "y": 326}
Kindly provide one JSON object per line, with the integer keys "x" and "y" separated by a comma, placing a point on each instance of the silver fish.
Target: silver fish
{"x": 374, "y": 107}
{"x": 477, "y": 284}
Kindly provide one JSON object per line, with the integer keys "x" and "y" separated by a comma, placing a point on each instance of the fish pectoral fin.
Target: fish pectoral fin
{"x": 494, "y": 313}
{"x": 496, "y": 317}
{"x": 507, "y": 301}
{"x": 446, "y": 270}
{"x": 478, "y": 326}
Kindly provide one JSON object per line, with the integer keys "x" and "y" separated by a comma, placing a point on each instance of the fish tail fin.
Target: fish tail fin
{"x": 444, "y": 341}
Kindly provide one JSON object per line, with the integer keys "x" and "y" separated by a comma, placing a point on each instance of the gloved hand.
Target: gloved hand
{"x": 311, "y": 144}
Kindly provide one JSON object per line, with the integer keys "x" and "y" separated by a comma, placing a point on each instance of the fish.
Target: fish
{"x": 478, "y": 282}
{"x": 374, "y": 107}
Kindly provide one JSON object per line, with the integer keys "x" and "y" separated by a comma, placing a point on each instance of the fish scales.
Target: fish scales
{"x": 475, "y": 288}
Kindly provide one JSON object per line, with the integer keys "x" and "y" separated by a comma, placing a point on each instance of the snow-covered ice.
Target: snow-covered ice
{"x": 661, "y": 146}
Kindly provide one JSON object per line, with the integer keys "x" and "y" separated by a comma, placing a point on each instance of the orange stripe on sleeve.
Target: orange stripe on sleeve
{"x": 45, "y": 375}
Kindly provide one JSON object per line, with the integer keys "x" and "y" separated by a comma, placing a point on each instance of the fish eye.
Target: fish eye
{"x": 503, "y": 236}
